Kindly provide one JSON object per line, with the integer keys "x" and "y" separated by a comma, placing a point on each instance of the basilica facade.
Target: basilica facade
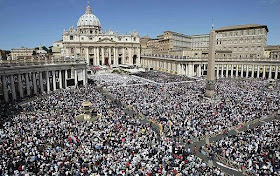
{"x": 97, "y": 47}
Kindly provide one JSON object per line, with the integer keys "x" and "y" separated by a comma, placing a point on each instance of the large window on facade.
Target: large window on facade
{"x": 71, "y": 37}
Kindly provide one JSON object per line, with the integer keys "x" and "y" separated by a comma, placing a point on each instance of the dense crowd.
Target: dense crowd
{"x": 181, "y": 110}
{"x": 46, "y": 139}
{"x": 162, "y": 77}
{"x": 256, "y": 149}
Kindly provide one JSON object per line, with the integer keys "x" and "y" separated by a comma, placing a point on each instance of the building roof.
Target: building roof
{"x": 238, "y": 27}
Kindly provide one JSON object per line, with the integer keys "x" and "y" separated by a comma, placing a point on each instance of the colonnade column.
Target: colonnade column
{"x": 199, "y": 70}
{"x": 247, "y": 71}
{"x": 258, "y": 71}
{"x": 41, "y": 82}
{"x": 217, "y": 73}
{"x": 264, "y": 71}
{"x": 270, "y": 72}
{"x": 75, "y": 75}
{"x": 34, "y": 83}
{"x": 253, "y": 71}
{"x": 190, "y": 69}
{"x": 237, "y": 69}
{"x": 242, "y": 70}
{"x": 5, "y": 89}
{"x": 65, "y": 77}
{"x": 27, "y": 84}
{"x": 48, "y": 81}
{"x": 276, "y": 72}
{"x": 226, "y": 70}
{"x": 222, "y": 71}
{"x": 54, "y": 81}
{"x": 20, "y": 86}
{"x": 60, "y": 79}
{"x": 13, "y": 87}
{"x": 231, "y": 70}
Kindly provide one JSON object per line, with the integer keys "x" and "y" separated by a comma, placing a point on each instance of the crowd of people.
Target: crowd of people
{"x": 46, "y": 139}
{"x": 182, "y": 111}
{"x": 162, "y": 77}
{"x": 256, "y": 149}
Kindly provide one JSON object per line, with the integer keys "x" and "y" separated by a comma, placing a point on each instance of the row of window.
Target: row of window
{"x": 242, "y": 32}
{"x": 253, "y": 40}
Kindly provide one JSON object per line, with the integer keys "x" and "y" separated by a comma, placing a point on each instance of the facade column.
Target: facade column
{"x": 54, "y": 81}
{"x": 102, "y": 56}
{"x": 222, "y": 71}
{"x": 97, "y": 56}
{"x": 110, "y": 59}
{"x": 130, "y": 62}
{"x": 264, "y": 71}
{"x": 276, "y": 72}
{"x": 123, "y": 56}
{"x": 258, "y": 71}
{"x": 270, "y": 72}
{"x": 13, "y": 89}
{"x": 27, "y": 84}
{"x": 138, "y": 55}
{"x": 60, "y": 79}
{"x": 242, "y": 70}
{"x": 94, "y": 56}
{"x": 247, "y": 71}
{"x": 48, "y": 81}
{"x": 5, "y": 88}
{"x": 34, "y": 83}
{"x": 114, "y": 51}
{"x": 20, "y": 86}
{"x": 253, "y": 71}
{"x": 41, "y": 82}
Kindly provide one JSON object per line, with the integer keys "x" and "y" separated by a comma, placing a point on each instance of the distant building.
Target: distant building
{"x": 21, "y": 53}
{"x": 271, "y": 51}
{"x": 240, "y": 41}
{"x": 41, "y": 52}
{"x": 57, "y": 50}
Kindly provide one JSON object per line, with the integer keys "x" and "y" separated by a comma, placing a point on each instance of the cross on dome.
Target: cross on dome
{"x": 88, "y": 9}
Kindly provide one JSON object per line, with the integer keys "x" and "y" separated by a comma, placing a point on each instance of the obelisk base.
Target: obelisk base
{"x": 210, "y": 89}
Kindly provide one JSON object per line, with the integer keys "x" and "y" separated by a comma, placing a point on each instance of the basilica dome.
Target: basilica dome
{"x": 88, "y": 19}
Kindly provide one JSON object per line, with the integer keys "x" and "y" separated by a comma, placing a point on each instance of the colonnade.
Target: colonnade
{"x": 22, "y": 83}
{"x": 248, "y": 70}
{"x": 223, "y": 69}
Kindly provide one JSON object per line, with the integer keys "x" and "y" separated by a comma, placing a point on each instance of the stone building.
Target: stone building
{"x": 240, "y": 41}
{"x": 98, "y": 47}
{"x": 21, "y": 53}
{"x": 245, "y": 41}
